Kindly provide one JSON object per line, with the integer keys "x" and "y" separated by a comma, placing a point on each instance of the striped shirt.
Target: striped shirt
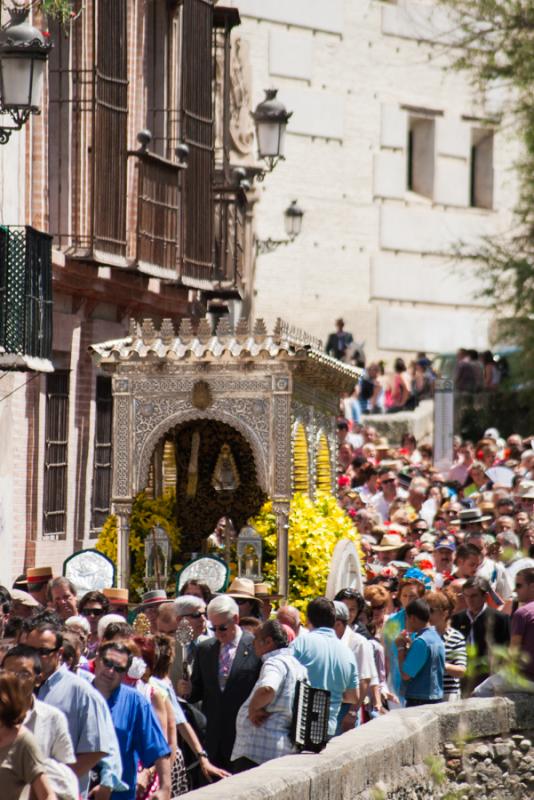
{"x": 455, "y": 653}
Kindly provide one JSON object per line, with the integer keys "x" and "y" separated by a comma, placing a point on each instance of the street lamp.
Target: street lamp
{"x": 23, "y": 53}
{"x": 293, "y": 220}
{"x": 293, "y": 225}
{"x": 271, "y": 117}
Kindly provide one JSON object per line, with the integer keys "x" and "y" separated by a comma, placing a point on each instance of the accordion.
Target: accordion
{"x": 309, "y": 726}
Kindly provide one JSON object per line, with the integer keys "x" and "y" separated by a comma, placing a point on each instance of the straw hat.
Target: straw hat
{"x": 264, "y": 591}
{"x": 470, "y": 516}
{"x": 118, "y": 597}
{"x": 242, "y": 588}
{"x": 389, "y": 541}
{"x": 38, "y": 575}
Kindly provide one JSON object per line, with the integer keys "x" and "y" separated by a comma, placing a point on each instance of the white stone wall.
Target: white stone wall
{"x": 370, "y": 250}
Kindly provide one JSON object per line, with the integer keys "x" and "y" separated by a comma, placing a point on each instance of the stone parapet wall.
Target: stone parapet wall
{"x": 389, "y": 757}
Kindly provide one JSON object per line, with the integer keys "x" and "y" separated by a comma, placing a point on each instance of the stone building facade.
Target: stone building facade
{"x": 138, "y": 229}
{"x": 394, "y": 158}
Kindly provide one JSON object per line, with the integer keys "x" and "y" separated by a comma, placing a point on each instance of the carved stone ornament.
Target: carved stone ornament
{"x": 241, "y": 124}
{"x": 201, "y": 396}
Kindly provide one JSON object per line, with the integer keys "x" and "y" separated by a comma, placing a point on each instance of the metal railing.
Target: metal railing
{"x": 25, "y": 292}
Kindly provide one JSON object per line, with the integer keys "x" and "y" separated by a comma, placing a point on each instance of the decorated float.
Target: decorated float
{"x": 234, "y": 424}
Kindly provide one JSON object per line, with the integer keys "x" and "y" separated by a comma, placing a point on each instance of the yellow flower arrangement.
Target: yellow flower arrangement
{"x": 315, "y": 527}
{"x": 146, "y": 514}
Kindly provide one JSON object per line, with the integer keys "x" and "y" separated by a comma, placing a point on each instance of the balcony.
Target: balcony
{"x": 25, "y": 298}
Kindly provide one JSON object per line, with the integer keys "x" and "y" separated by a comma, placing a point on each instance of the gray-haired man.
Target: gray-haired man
{"x": 191, "y": 612}
{"x": 224, "y": 673}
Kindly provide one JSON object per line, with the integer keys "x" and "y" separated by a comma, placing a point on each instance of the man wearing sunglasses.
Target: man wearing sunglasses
{"x": 224, "y": 673}
{"x": 138, "y": 730}
{"x": 188, "y": 612}
{"x": 88, "y": 718}
{"x": 93, "y": 606}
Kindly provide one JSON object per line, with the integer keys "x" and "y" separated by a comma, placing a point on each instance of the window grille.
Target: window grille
{"x": 102, "y": 453}
{"x": 56, "y": 454}
{"x": 25, "y": 292}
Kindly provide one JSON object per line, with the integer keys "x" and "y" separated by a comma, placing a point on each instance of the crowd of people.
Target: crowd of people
{"x": 383, "y": 391}
{"x": 95, "y": 703}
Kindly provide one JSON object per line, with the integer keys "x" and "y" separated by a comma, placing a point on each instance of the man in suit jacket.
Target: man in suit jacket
{"x": 225, "y": 671}
{"x": 338, "y": 342}
{"x": 482, "y": 627}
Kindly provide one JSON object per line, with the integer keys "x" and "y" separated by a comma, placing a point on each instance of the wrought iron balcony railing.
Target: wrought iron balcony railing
{"x": 25, "y": 297}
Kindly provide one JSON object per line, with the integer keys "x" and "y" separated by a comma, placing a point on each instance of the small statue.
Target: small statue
{"x": 225, "y": 475}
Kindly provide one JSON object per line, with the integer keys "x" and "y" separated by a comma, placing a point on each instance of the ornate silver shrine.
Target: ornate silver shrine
{"x": 274, "y": 389}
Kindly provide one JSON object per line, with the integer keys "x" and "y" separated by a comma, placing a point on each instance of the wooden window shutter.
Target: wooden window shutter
{"x": 110, "y": 135}
{"x": 56, "y": 453}
{"x": 102, "y": 452}
{"x": 197, "y": 129}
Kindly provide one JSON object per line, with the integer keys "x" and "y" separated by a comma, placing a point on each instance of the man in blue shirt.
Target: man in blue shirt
{"x": 329, "y": 662}
{"x": 138, "y": 729}
{"x": 421, "y": 661}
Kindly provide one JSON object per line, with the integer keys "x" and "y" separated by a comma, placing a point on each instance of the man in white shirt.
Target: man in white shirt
{"x": 493, "y": 571}
{"x": 389, "y": 492}
{"x": 48, "y": 724}
{"x": 365, "y": 662}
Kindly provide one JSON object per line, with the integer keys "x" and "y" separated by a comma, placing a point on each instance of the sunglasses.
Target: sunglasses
{"x": 109, "y": 664}
{"x": 420, "y": 530}
{"x": 388, "y": 480}
{"x": 46, "y": 651}
{"x": 197, "y": 615}
{"x": 92, "y": 612}
{"x": 221, "y": 628}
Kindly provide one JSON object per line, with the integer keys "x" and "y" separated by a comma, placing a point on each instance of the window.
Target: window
{"x": 56, "y": 453}
{"x": 110, "y": 132}
{"x": 162, "y": 76}
{"x": 102, "y": 453}
{"x": 420, "y": 162}
{"x": 481, "y": 184}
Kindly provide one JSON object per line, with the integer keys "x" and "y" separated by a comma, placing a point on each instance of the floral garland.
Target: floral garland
{"x": 315, "y": 527}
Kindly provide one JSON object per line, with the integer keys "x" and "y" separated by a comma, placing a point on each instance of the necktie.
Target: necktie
{"x": 225, "y": 664}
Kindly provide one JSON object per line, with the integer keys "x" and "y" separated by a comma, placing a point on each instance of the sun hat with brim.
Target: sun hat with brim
{"x": 24, "y": 598}
{"x": 153, "y": 598}
{"x": 428, "y": 538}
{"x": 526, "y": 490}
{"x": 264, "y": 591}
{"x": 118, "y": 597}
{"x": 38, "y": 575}
{"x": 389, "y": 541}
{"x": 242, "y": 589}
{"x": 470, "y": 516}
{"x": 382, "y": 444}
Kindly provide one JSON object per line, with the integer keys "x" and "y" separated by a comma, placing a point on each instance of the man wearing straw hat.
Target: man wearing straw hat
{"x": 37, "y": 579}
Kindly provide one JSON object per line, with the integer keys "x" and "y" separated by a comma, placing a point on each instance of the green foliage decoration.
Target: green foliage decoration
{"x": 146, "y": 514}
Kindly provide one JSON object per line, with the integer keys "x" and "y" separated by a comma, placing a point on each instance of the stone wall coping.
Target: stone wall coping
{"x": 354, "y": 762}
